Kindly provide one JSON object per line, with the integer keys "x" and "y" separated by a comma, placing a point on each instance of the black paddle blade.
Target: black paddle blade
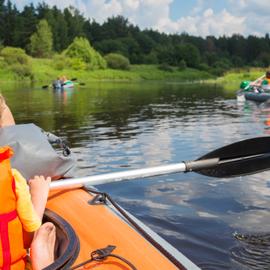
{"x": 45, "y": 86}
{"x": 240, "y": 158}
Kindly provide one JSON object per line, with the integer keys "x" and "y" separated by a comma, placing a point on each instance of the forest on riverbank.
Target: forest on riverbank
{"x": 117, "y": 46}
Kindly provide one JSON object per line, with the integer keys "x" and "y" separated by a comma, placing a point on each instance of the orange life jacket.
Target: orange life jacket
{"x": 12, "y": 250}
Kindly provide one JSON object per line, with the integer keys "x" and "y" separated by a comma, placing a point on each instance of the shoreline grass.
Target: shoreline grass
{"x": 44, "y": 73}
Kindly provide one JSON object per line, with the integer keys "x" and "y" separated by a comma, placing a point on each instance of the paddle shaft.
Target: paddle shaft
{"x": 132, "y": 174}
{"x": 241, "y": 158}
{"x": 254, "y": 82}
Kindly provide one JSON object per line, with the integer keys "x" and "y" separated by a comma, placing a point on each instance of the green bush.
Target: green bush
{"x": 21, "y": 70}
{"x": 17, "y": 61}
{"x": 117, "y": 61}
{"x": 182, "y": 65}
{"x": 13, "y": 55}
{"x": 218, "y": 71}
{"x": 204, "y": 67}
{"x": 77, "y": 64}
{"x": 60, "y": 62}
{"x": 150, "y": 58}
{"x": 223, "y": 63}
{"x": 166, "y": 67}
{"x": 3, "y": 63}
{"x": 81, "y": 49}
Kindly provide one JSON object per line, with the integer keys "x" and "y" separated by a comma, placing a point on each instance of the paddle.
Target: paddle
{"x": 240, "y": 158}
{"x": 79, "y": 83}
{"x": 254, "y": 82}
{"x": 75, "y": 79}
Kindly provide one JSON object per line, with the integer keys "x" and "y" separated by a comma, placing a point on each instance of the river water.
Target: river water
{"x": 219, "y": 223}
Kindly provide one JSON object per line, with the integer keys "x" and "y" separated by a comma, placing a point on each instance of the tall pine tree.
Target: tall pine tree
{"x": 41, "y": 40}
{"x": 9, "y": 26}
{"x": 2, "y": 20}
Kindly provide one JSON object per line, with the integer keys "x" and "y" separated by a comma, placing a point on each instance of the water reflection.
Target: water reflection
{"x": 252, "y": 252}
{"x": 113, "y": 127}
{"x": 64, "y": 96}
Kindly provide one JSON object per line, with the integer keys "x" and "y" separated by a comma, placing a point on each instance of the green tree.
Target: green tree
{"x": 150, "y": 58}
{"x": 93, "y": 31}
{"x": 75, "y": 23}
{"x": 9, "y": 27}
{"x": 264, "y": 59}
{"x": 59, "y": 26}
{"x": 2, "y": 20}
{"x": 255, "y": 46}
{"x": 189, "y": 53}
{"x": 41, "y": 40}
{"x": 182, "y": 65}
{"x": 116, "y": 27}
{"x": 59, "y": 30}
{"x": 145, "y": 42}
{"x": 165, "y": 54}
{"x": 25, "y": 26}
{"x": 81, "y": 52}
{"x": 107, "y": 46}
{"x": 117, "y": 61}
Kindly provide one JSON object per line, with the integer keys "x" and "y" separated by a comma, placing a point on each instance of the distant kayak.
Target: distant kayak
{"x": 66, "y": 85}
{"x": 258, "y": 97}
{"x": 255, "y": 91}
{"x": 266, "y": 87}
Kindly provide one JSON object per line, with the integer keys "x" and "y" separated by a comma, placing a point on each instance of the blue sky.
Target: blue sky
{"x": 182, "y": 8}
{"x": 196, "y": 17}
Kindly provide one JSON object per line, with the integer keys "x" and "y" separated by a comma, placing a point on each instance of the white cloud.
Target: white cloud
{"x": 198, "y": 7}
{"x": 132, "y": 4}
{"x": 96, "y": 9}
{"x": 205, "y": 24}
{"x": 242, "y": 16}
{"x": 251, "y": 5}
{"x": 256, "y": 13}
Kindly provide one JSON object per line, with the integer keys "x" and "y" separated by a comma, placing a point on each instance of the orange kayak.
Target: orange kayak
{"x": 92, "y": 234}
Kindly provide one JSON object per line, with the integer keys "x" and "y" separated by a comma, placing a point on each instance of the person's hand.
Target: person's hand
{"x": 39, "y": 190}
{"x": 39, "y": 185}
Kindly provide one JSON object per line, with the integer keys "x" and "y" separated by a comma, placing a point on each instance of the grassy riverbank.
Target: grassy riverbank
{"x": 44, "y": 72}
{"x": 231, "y": 79}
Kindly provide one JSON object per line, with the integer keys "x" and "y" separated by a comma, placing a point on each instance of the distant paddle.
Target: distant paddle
{"x": 254, "y": 82}
{"x": 240, "y": 158}
{"x": 81, "y": 83}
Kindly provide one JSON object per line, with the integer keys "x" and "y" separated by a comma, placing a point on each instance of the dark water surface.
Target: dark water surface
{"x": 217, "y": 223}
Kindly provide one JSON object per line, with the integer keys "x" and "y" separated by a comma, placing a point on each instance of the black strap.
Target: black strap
{"x": 102, "y": 254}
{"x": 53, "y": 139}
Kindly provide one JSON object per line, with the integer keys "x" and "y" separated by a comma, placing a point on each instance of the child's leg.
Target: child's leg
{"x": 42, "y": 247}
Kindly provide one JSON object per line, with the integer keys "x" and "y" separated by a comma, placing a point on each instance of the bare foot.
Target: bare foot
{"x": 42, "y": 247}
